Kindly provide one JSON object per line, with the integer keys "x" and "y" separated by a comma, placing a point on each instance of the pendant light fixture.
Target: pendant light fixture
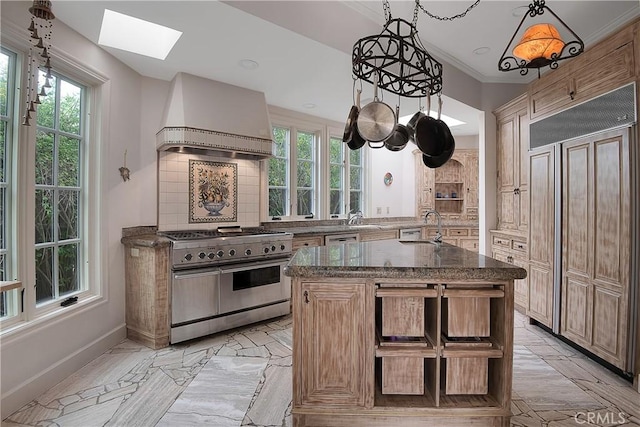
{"x": 541, "y": 44}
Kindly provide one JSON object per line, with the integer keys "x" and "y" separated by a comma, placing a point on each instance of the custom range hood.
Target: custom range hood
{"x": 203, "y": 114}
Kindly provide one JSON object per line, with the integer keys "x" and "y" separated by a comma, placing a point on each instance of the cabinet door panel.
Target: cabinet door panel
{"x": 608, "y": 329}
{"x": 542, "y": 206}
{"x": 506, "y": 157}
{"x": 577, "y": 201}
{"x": 541, "y": 294}
{"x": 591, "y": 81}
{"x": 576, "y": 312}
{"x": 333, "y": 343}
{"x": 551, "y": 97}
{"x": 506, "y": 209}
{"x": 608, "y": 209}
{"x": 523, "y": 210}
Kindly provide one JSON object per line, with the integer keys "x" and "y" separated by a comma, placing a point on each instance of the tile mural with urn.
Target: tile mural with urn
{"x": 213, "y": 191}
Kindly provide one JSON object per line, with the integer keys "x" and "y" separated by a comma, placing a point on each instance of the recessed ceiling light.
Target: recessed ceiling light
{"x": 309, "y": 105}
{"x": 136, "y": 35}
{"x": 248, "y": 64}
{"x": 481, "y": 50}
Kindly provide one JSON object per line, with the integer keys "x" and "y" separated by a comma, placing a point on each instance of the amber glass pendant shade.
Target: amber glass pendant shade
{"x": 539, "y": 41}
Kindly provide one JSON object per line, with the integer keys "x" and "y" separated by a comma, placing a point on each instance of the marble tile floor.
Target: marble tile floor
{"x": 243, "y": 378}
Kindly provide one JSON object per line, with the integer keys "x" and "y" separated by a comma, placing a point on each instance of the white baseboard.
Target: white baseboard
{"x": 30, "y": 389}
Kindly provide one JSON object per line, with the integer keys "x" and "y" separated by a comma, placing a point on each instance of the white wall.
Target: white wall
{"x": 37, "y": 359}
{"x": 397, "y": 199}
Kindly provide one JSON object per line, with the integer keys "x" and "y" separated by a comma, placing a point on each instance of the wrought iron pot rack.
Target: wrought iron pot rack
{"x": 398, "y": 58}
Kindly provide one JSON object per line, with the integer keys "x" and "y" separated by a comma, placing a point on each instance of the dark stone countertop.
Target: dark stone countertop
{"x": 395, "y": 259}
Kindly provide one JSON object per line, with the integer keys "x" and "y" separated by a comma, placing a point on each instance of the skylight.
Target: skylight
{"x": 450, "y": 121}
{"x": 136, "y": 35}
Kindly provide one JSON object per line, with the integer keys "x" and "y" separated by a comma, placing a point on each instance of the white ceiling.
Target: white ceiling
{"x": 304, "y": 47}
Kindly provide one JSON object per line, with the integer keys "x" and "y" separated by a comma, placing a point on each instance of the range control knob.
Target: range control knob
{"x": 273, "y": 248}
{"x": 211, "y": 255}
{"x": 201, "y": 255}
{"x": 282, "y": 247}
{"x": 220, "y": 254}
{"x": 188, "y": 257}
{"x": 247, "y": 252}
{"x": 232, "y": 252}
{"x": 266, "y": 250}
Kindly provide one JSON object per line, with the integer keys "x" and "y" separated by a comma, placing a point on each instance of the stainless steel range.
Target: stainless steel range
{"x": 225, "y": 278}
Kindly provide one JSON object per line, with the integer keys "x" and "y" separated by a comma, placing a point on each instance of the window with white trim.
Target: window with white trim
{"x": 53, "y": 206}
{"x": 345, "y": 194}
{"x": 9, "y": 298}
{"x": 293, "y": 170}
{"x": 58, "y": 191}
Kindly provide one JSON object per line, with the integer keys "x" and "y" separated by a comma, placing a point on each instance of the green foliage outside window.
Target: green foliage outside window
{"x": 58, "y": 190}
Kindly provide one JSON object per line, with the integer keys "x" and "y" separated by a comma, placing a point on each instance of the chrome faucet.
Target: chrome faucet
{"x": 356, "y": 218}
{"x": 438, "y": 238}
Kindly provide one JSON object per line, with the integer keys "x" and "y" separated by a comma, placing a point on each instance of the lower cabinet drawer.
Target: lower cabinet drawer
{"x": 300, "y": 242}
{"x": 466, "y": 375}
{"x": 471, "y": 245}
{"x": 402, "y": 375}
{"x": 501, "y": 241}
{"x": 458, "y": 232}
{"x": 466, "y": 316}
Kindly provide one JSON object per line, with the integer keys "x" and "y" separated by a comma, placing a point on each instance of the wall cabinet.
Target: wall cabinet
{"x": 579, "y": 80}
{"x": 513, "y": 175}
{"x": 596, "y": 244}
{"x": 451, "y": 189}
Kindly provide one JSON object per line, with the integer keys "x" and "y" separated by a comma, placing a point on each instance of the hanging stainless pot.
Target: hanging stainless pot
{"x": 376, "y": 120}
{"x": 399, "y": 137}
{"x": 430, "y": 136}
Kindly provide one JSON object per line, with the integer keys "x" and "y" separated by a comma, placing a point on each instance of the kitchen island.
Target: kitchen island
{"x": 401, "y": 333}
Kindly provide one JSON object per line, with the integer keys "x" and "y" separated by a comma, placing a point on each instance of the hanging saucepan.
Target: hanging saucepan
{"x": 411, "y": 125}
{"x": 445, "y": 128}
{"x": 400, "y": 136}
{"x": 376, "y": 120}
{"x": 450, "y": 144}
{"x": 355, "y": 141}
{"x": 429, "y": 136}
{"x": 437, "y": 161}
{"x": 349, "y": 127}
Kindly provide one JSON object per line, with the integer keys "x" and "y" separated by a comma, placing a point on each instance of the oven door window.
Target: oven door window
{"x": 256, "y": 277}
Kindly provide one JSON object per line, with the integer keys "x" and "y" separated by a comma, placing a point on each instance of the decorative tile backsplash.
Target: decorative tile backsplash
{"x": 173, "y": 191}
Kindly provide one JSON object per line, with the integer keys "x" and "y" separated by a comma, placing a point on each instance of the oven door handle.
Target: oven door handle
{"x": 252, "y": 266}
{"x": 187, "y": 275}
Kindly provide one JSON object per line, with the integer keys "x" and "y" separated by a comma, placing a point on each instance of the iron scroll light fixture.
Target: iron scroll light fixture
{"x": 540, "y": 45}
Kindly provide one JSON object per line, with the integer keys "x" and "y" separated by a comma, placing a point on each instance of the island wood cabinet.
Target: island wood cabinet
{"x": 602, "y": 68}
{"x": 332, "y": 337}
{"x": 388, "y": 351}
{"x": 513, "y": 176}
{"x": 451, "y": 189}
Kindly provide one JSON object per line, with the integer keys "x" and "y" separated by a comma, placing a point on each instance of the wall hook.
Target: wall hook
{"x": 124, "y": 170}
